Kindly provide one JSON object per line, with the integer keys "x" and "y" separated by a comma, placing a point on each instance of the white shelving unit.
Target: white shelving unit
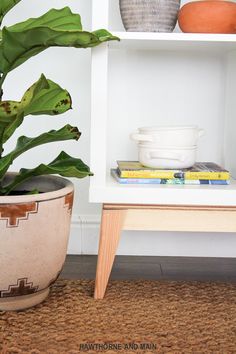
{"x": 157, "y": 79}
{"x": 151, "y": 79}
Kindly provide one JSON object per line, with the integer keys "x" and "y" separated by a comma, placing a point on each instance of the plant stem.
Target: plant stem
{"x": 2, "y": 79}
{"x": 1, "y": 130}
{"x": 1, "y": 151}
{"x": 1, "y": 143}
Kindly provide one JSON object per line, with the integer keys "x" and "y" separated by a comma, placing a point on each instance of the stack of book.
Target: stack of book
{"x": 132, "y": 172}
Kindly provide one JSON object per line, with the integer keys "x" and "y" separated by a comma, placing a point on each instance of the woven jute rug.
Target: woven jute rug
{"x": 134, "y": 317}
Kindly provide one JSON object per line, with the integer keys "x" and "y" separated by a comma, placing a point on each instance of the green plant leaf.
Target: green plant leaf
{"x": 55, "y": 28}
{"x": 43, "y": 97}
{"x": 25, "y": 143}
{"x": 8, "y": 111}
{"x": 64, "y": 165}
{"x": 5, "y": 6}
{"x": 8, "y": 119}
{"x": 103, "y": 35}
{"x": 12, "y": 126}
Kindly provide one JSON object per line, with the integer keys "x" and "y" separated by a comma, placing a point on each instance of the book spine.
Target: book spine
{"x": 205, "y": 181}
{"x": 174, "y": 181}
{"x": 173, "y": 174}
{"x": 147, "y": 174}
{"x": 207, "y": 175}
{"x": 140, "y": 180}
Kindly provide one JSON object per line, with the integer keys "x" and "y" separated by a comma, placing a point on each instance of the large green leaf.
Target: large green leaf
{"x": 8, "y": 111}
{"x": 55, "y": 28}
{"x": 25, "y": 143}
{"x": 43, "y": 97}
{"x": 9, "y": 121}
{"x": 64, "y": 165}
{"x": 12, "y": 126}
{"x": 5, "y": 6}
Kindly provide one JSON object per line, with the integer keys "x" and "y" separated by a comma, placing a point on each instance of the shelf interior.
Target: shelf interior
{"x": 177, "y": 89}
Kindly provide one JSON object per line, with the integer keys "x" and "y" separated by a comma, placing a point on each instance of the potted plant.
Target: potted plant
{"x": 35, "y": 207}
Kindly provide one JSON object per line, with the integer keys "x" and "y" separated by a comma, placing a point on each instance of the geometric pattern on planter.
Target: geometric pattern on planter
{"x": 69, "y": 201}
{"x": 21, "y": 288}
{"x": 15, "y": 212}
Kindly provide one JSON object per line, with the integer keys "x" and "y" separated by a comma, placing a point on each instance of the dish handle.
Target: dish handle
{"x": 140, "y": 137}
{"x": 166, "y": 156}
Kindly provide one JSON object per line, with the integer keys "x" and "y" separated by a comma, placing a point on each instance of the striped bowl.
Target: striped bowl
{"x": 149, "y": 15}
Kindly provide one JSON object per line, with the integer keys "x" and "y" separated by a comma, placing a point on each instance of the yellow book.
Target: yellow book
{"x": 201, "y": 170}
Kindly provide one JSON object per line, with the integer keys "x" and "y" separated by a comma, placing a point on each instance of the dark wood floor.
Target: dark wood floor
{"x": 154, "y": 268}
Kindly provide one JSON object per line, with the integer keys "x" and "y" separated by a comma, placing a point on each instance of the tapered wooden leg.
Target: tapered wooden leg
{"x": 111, "y": 226}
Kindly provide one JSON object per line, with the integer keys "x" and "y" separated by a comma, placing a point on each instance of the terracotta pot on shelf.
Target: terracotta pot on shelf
{"x": 210, "y": 16}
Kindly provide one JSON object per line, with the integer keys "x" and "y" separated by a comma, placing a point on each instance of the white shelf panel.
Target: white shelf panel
{"x": 113, "y": 192}
{"x": 221, "y": 43}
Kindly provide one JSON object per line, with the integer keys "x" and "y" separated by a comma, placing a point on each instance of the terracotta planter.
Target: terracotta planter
{"x": 212, "y": 16}
{"x": 34, "y": 231}
{"x": 149, "y": 15}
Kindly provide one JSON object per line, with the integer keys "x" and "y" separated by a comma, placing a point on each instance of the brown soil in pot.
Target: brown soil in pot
{"x": 212, "y": 16}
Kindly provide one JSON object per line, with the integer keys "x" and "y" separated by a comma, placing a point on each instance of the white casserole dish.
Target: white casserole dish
{"x": 167, "y": 157}
{"x": 178, "y": 136}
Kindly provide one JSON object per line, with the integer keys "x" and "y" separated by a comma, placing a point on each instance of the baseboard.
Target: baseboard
{"x": 84, "y": 239}
{"x": 84, "y": 234}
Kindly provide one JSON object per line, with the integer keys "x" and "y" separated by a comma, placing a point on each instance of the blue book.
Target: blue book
{"x": 122, "y": 180}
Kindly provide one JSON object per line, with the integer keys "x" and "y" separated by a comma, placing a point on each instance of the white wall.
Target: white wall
{"x": 71, "y": 69}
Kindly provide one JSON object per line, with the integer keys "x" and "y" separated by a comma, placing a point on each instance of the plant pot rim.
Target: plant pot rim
{"x": 53, "y": 187}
